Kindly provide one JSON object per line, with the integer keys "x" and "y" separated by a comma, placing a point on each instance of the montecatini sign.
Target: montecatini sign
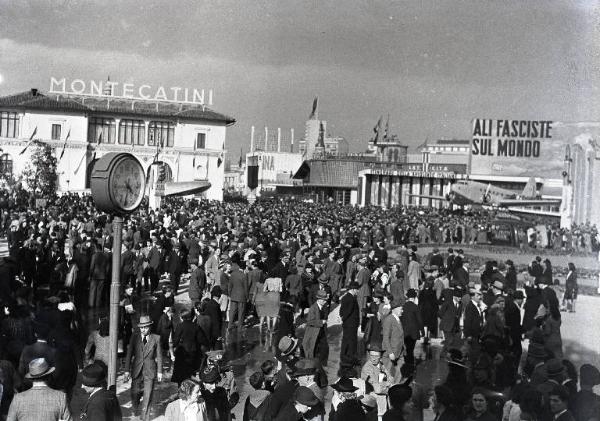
{"x": 146, "y": 92}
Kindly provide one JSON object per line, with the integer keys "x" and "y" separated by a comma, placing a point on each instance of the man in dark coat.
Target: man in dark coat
{"x": 175, "y": 265}
{"x": 349, "y": 314}
{"x": 473, "y": 319}
{"x": 99, "y": 272}
{"x": 412, "y": 325}
{"x": 197, "y": 282}
{"x": 213, "y": 310}
{"x": 102, "y": 404}
{"x": 238, "y": 291}
{"x": 146, "y": 353}
{"x": 436, "y": 259}
{"x": 302, "y": 401}
{"x": 460, "y": 275}
{"x": 155, "y": 264}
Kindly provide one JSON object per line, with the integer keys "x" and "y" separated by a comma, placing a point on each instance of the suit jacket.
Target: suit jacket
{"x": 39, "y": 403}
{"x": 238, "y": 286}
{"x": 473, "y": 321}
{"x": 449, "y": 315}
{"x": 190, "y": 337}
{"x": 393, "y": 336}
{"x": 213, "y": 310}
{"x": 99, "y": 265}
{"x": 314, "y": 327}
{"x": 128, "y": 262}
{"x": 175, "y": 263}
{"x": 197, "y": 284}
{"x": 147, "y": 359}
{"x": 349, "y": 312}
{"x": 155, "y": 259}
{"x": 33, "y": 351}
{"x": 412, "y": 324}
{"x": 461, "y": 277}
{"x": 102, "y": 406}
{"x": 211, "y": 265}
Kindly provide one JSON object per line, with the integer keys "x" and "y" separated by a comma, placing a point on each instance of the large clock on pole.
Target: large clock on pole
{"x": 118, "y": 183}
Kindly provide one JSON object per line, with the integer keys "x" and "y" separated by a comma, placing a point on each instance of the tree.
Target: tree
{"x": 40, "y": 173}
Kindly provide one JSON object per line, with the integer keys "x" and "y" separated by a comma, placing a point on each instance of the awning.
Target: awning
{"x": 184, "y": 188}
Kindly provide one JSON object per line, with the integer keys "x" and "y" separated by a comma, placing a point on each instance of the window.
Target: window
{"x": 6, "y": 164}
{"x": 102, "y": 130}
{"x": 9, "y": 124}
{"x": 56, "y": 129}
{"x": 132, "y": 132}
{"x": 200, "y": 140}
{"x": 161, "y": 133}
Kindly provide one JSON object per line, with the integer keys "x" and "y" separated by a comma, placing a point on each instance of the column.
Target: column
{"x": 374, "y": 190}
{"x": 384, "y": 196}
{"x": 395, "y": 191}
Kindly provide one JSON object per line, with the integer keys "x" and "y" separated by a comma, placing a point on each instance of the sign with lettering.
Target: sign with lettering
{"x": 409, "y": 173}
{"x": 110, "y": 89}
{"x": 525, "y": 148}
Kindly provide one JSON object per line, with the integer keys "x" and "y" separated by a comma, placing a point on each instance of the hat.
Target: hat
{"x": 519, "y": 295}
{"x": 306, "y": 367}
{"x": 305, "y": 396}
{"x": 555, "y": 367}
{"x": 344, "y": 384}
{"x": 498, "y": 285}
{"x": 456, "y": 357}
{"x": 321, "y": 295}
{"x": 509, "y": 262}
{"x": 145, "y": 321}
{"x": 369, "y": 400}
{"x": 210, "y": 375}
{"x": 436, "y": 250}
{"x": 536, "y": 350}
{"x": 353, "y": 285}
{"x": 217, "y": 354}
{"x": 458, "y": 292}
{"x": 375, "y": 347}
{"x": 287, "y": 345}
{"x": 38, "y": 368}
{"x": 194, "y": 261}
{"x": 411, "y": 293}
{"x": 93, "y": 375}
{"x": 323, "y": 278}
{"x": 589, "y": 375}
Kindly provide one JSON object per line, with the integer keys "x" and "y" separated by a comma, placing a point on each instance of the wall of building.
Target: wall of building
{"x": 272, "y": 165}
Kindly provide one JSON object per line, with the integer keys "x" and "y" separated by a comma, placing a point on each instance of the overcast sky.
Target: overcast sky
{"x": 432, "y": 65}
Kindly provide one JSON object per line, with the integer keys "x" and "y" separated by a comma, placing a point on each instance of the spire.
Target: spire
{"x": 386, "y": 134}
{"x": 314, "y": 115}
{"x": 321, "y": 138}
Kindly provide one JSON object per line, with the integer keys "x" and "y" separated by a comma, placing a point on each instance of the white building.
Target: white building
{"x": 189, "y": 138}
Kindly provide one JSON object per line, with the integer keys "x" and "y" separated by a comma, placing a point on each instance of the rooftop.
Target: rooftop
{"x": 36, "y": 100}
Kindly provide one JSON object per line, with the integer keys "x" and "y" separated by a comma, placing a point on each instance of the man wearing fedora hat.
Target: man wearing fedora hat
{"x": 307, "y": 373}
{"x": 40, "y": 402}
{"x": 314, "y": 342}
{"x": 102, "y": 404}
{"x": 349, "y": 313}
{"x": 344, "y": 390}
{"x": 144, "y": 348}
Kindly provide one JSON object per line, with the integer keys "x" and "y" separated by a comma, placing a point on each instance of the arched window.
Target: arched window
{"x": 6, "y": 164}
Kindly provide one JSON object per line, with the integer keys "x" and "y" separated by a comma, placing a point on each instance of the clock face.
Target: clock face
{"x": 127, "y": 183}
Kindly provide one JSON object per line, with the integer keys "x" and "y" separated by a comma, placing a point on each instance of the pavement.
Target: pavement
{"x": 246, "y": 351}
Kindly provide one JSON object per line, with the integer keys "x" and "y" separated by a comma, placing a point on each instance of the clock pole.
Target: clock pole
{"x": 115, "y": 287}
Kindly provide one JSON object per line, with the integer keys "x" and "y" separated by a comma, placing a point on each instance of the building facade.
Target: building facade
{"x": 187, "y": 139}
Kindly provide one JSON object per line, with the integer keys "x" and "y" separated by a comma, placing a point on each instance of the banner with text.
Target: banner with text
{"x": 525, "y": 148}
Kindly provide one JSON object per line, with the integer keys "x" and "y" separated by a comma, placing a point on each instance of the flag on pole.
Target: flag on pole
{"x": 62, "y": 153}
{"x": 30, "y": 141}
{"x": 80, "y": 163}
{"x": 377, "y": 129}
{"x": 314, "y": 113}
{"x": 241, "y": 154}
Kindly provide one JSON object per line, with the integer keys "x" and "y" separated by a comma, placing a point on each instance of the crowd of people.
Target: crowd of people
{"x": 279, "y": 268}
